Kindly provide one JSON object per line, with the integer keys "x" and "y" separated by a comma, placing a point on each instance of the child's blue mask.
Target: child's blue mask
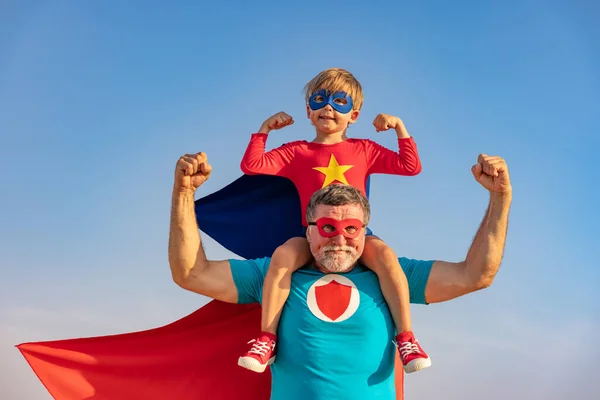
{"x": 340, "y": 101}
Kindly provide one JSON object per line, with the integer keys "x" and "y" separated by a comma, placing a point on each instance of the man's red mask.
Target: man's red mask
{"x": 329, "y": 227}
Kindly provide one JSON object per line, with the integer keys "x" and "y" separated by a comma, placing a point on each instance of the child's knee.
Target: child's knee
{"x": 387, "y": 254}
{"x": 283, "y": 252}
{"x": 289, "y": 249}
{"x": 381, "y": 250}
{"x": 292, "y": 253}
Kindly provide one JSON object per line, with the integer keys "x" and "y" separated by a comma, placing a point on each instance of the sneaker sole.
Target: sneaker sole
{"x": 253, "y": 365}
{"x": 417, "y": 365}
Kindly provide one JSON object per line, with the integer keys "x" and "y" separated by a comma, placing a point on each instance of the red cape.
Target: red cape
{"x": 196, "y": 356}
{"x": 182, "y": 360}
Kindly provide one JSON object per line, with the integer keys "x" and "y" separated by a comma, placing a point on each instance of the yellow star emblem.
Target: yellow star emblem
{"x": 334, "y": 171}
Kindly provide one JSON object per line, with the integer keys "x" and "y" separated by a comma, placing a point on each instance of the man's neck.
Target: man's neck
{"x": 330, "y": 138}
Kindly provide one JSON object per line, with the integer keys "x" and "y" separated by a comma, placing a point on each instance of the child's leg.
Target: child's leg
{"x": 286, "y": 259}
{"x": 382, "y": 260}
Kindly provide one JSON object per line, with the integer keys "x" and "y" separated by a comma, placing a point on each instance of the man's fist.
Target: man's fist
{"x": 492, "y": 173}
{"x": 277, "y": 121}
{"x": 191, "y": 171}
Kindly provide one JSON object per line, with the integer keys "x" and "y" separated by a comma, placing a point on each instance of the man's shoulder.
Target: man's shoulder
{"x": 256, "y": 261}
{"x": 410, "y": 266}
{"x": 258, "y": 264}
{"x": 412, "y": 261}
{"x": 248, "y": 277}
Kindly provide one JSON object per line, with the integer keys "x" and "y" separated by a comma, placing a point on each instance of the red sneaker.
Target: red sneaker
{"x": 261, "y": 354}
{"x": 412, "y": 355}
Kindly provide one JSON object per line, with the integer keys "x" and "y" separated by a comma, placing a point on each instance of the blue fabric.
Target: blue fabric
{"x": 249, "y": 275}
{"x": 253, "y": 215}
{"x": 330, "y": 99}
{"x": 349, "y": 359}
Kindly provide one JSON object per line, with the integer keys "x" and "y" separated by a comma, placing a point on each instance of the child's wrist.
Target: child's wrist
{"x": 401, "y": 133}
{"x": 264, "y": 129}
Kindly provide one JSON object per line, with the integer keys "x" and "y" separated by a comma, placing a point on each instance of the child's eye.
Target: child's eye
{"x": 319, "y": 99}
{"x": 341, "y": 101}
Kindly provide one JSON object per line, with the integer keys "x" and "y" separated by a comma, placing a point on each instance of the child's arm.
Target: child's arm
{"x": 256, "y": 161}
{"x": 384, "y": 161}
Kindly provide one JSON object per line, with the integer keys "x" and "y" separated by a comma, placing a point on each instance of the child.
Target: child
{"x": 334, "y": 98}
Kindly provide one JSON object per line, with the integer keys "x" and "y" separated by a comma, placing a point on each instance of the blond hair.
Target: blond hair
{"x": 336, "y": 80}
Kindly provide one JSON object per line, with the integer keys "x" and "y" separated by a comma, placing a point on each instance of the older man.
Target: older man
{"x": 337, "y": 331}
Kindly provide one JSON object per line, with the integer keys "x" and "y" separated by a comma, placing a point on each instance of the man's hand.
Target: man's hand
{"x": 383, "y": 122}
{"x": 449, "y": 280}
{"x": 492, "y": 173}
{"x": 191, "y": 172}
{"x": 190, "y": 268}
{"x": 277, "y": 121}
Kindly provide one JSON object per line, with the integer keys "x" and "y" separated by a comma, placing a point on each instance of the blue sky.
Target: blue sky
{"x": 99, "y": 99}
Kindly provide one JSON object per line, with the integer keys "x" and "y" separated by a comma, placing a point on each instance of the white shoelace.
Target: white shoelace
{"x": 260, "y": 348}
{"x": 408, "y": 348}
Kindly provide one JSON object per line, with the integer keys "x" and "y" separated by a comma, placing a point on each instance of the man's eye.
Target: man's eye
{"x": 329, "y": 228}
{"x": 341, "y": 101}
{"x": 351, "y": 229}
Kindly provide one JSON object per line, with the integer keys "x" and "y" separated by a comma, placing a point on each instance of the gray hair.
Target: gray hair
{"x": 338, "y": 195}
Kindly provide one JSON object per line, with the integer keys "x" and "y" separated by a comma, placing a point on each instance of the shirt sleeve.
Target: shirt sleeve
{"x": 417, "y": 274}
{"x": 381, "y": 160}
{"x": 274, "y": 162}
{"x": 248, "y": 277}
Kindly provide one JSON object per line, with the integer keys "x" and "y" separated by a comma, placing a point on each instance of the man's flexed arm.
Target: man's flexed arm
{"x": 449, "y": 280}
{"x": 189, "y": 266}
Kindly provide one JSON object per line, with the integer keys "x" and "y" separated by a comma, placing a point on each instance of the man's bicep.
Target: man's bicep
{"x": 214, "y": 280}
{"x": 447, "y": 281}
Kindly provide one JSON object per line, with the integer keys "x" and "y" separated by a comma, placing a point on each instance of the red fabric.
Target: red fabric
{"x": 298, "y": 161}
{"x": 192, "y": 358}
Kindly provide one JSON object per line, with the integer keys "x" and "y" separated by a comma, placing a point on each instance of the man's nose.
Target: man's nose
{"x": 338, "y": 240}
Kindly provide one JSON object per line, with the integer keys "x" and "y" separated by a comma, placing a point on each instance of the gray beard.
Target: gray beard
{"x": 335, "y": 262}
